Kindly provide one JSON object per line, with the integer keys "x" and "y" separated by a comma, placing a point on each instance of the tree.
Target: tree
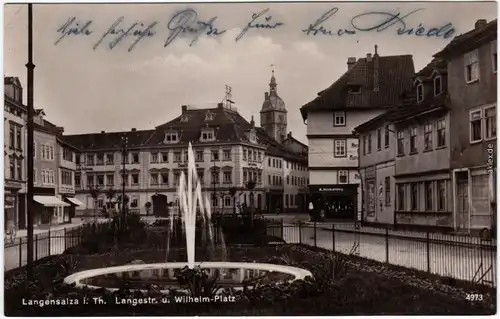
{"x": 95, "y": 192}
{"x": 110, "y": 194}
{"x": 232, "y": 192}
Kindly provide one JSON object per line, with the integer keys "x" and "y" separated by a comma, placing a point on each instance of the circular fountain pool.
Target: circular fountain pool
{"x": 162, "y": 275}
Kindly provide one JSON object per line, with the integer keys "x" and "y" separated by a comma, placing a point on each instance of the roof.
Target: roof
{"x": 272, "y": 101}
{"x": 228, "y": 125}
{"x": 437, "y": 64}
{"x": 11, "y": 80}
{"x": 382, "y": 91}
{"x": 470, "y": 40}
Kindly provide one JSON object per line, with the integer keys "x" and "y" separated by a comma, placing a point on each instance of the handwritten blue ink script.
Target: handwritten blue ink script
{"x": 188, "y": 25}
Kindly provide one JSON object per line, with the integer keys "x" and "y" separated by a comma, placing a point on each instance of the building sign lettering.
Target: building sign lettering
{"x": 331, "y": 189}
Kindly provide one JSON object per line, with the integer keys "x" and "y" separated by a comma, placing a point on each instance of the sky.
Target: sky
{"x": 88, "y": 90}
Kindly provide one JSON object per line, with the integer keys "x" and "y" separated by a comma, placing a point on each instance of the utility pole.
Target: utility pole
{"x": 29, "y": 198}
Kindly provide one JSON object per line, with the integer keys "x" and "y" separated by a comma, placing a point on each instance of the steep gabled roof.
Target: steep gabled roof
{"x": 437, "y": 64}
{"x": 12, "y": 80}
{"x": 394, "y": 77}
{"x": 107, "y": 140}
{"x": 470, "y": 40}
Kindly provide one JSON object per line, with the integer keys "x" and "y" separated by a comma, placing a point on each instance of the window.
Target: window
{"x": 215, "y": 177}
{"x": 199, "y": 156}
{"x": 177, "y": 157}
{"x": 19, "y": 144}
{"x": 343, "y": 177}
{"x": 286, "y": 200}
{"x": 170, "y": 138}
{"x": 387, "y": 187}
{"x": 100, "y": 180}
{"x": 66, "y": 177}
{"x": 67, "y": 155}
{"x": 78, "y": 181}
{"x": 164, "y": 157}
{"x": 164, "y": 178}
{"x": 90, "y": 180}
{"x": 490, "y": 122}
{"x": 420, "y": 93}
{"x": 414, "y": 196}
{"x": 34, "y": 153}
{"x": 185, "y": 157}
{"x": 227, "y": 155}
{"x": 441, "y": 133}
{"x": 100, "y": 203}
{"x": 401, "y": 197}
{"x": 227, "y": 178}
{"x": 379, "y": 139}
{"x": 110, "y": 180}
{"x": 369, "y": 142}
{"x": 154, "y": 179}
{"x": 428, "y": 196}
{"x": 339, "y": 147}
{"x": 12, "y": 137}
{"x": 215, "y": 202}
{"x": 135, "y": 179}
{"x": 19, "y": 169}
{"x": 428, "y": 137}
{"x": 441, "y": 195}
{"x": 154, "y": 157}
{"x": 364, "y": 144}
{"x": 134, "y": 202}
{"x": 227, "y": 201}
{"x": 201, "y": 176}
{"x": 413, "y": 140}
{"x": 177, "y": 178}
{"x": 12, "y": 167}
{"x": 244, "y": 154}
{"x": 209, "y": 116}
{"x": 207, "y": 136}
{"x": 471, "y": 63}
{"x": 339, "y": 119}
{"x": 184, "y": 118}
{"x": 215, "y": 155}
{"x": 494, "y": 56}
{"x": 438, "y": 85}
{"x": 135, "y": 158}
{"x": 100, "y": 159}
{"x": 475, "y": 118}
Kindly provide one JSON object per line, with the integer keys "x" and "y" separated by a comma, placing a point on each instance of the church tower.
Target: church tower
{"x": 273, "y": 113}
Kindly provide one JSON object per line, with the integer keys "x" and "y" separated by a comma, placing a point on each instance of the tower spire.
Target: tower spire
{"x": 272, "y": 83}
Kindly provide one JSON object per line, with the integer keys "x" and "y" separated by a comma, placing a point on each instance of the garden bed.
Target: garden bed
{"x": 342, "y": 286}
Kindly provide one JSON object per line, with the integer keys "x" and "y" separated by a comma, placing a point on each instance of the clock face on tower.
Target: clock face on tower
{"x": 282, "y": 118}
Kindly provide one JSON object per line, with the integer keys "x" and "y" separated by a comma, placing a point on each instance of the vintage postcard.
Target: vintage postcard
{"x": 250, "y": 159}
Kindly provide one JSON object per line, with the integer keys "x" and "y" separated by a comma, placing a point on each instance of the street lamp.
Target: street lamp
{"x": 29, "y": 198}
{"x": 124, "y": 156}
{"x": 214, "y": 182}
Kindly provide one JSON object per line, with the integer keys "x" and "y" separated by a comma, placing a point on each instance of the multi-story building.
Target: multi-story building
{"x": 472, "y": 83}
{"x": 15, "y": 115}
{"x": 48, "y": 204}
{"x": 229, "y": 152}
{"x": 406, "y": 173}
{"x": 370, "y": 86}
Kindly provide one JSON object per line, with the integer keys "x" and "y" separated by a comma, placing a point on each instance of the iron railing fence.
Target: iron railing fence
{"x": 460, "y": 257}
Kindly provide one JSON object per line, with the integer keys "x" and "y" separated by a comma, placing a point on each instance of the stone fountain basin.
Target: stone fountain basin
{"x": 240, "y": 271}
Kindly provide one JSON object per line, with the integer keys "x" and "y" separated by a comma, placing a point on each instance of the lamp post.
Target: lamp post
{"x": 124, "y": 156}
{"x": 29, "y": 198}
{"x": 214, "y": 184}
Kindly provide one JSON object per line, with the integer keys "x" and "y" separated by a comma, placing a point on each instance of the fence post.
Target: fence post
{"x": 65, "y": 238}
{"x": 315, "y": 235}
{"x": 49, "y": 244}
{"x": 333, "y": 237}
{"x": 36, "y": 247}
{"x": 427, "y": 248}
{"x": 20, "y": 251}
{"x": 300, "y": 232}
{"x": 387, "y": 244}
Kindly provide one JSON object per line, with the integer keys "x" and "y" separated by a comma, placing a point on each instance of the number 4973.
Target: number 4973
{"x": 474, "y": 297}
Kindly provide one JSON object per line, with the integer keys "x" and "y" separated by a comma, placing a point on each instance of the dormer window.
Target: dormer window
{"x": 184, "y": 118}
{"x": 339, "y": 119}
{"x": 207, "y": 135}
{"x": 438, "y": 85}
{"x": 209, "y": 116}
{"x": 355, "y": 89}
{"x": 171, "y": 137}
{"x": 420, "y": 93}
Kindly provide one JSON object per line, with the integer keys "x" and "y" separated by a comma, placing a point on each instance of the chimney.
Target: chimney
{"x": 252, "y": 122}
{"x": 102, "y": 132}
{"x": 184, "y": 108}
{"x": 376, "y": 50}
{"x": 134, "y": 129}
{"x": 368, "y": 57}
{"x": 266, "y": 96}
{"x": 220, "y": 105}
{"x": 290, "y": 134}
{"x": 350, "y": 62}
{"x": 376, "y": 85}
{"x": 480, "y": 23}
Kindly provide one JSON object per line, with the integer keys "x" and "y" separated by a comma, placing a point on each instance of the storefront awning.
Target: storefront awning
{"x": 49, "y": 201}
{"x": 76, "y": 202}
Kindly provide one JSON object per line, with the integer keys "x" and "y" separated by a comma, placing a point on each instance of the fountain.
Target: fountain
{"x": 191, "y": 201}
